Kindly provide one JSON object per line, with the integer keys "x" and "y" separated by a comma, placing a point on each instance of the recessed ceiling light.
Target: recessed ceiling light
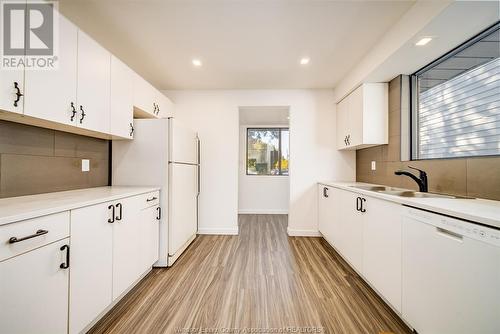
{"x": 197, "y": 62}
{"x": 423, "y": 41}
{"x": 305, "y": 61}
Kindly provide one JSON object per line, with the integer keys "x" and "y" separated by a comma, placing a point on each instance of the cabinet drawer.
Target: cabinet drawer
{"x": 32, "y": 233}
{"x": 149, "y": 199}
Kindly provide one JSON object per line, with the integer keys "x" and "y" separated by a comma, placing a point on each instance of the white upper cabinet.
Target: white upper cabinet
{"x": 165, "y": 106}
{"x": 362, "y": 117}
{"x": 51, "y": 94}
{"x": 150, "y": 102}
{"x": 11, "y": 85}
{"x": 144, "y": 98}
{"x": 93, "y": 93}
{"x": 122, "y": 101}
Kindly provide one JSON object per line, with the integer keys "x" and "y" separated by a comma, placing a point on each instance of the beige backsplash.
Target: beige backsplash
{"x": 475, "y": 177}
{"x": 35, "y": 160}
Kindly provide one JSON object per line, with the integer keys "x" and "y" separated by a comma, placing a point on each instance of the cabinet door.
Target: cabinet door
{"x": 8, "y": 79}
{"x": 51, "y": 94}
{"x": 91, "y": 264}
{"x": 382, "y": 248}
{"x": 34, "y": 291}
{"x": 350, "y": 229}
{"x": 165, "y": 106}
{"x": 93, "y": 94}
{"x": 342, "y": 123}
{"x": 127, "y": 236}
{"x": 121, "y": 102}
{"x": 149, "y": 237}
{"x": 327, "y": 212}
{"x": 144, "y": 96}
{"x": 356, "y": 117}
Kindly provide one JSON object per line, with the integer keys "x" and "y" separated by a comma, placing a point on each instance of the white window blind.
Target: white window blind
{"x": 458, "y": 115}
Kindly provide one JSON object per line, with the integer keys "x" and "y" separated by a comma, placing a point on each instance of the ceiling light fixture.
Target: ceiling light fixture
{"x": 305, "y": 61}
{"x": 423, "y": 41}
{"x": 197, "y": 62}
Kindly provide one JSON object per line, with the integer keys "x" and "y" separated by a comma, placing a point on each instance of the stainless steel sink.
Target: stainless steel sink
{"x": 406, "y": 193}
{"x": 416, "y": 194}
{"x": 375, "y": 188}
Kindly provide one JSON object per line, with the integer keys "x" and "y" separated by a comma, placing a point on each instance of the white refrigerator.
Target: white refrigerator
{"x": 166, "y": 154}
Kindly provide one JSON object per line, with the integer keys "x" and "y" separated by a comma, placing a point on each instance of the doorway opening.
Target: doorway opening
{"x": 264, "y": 161}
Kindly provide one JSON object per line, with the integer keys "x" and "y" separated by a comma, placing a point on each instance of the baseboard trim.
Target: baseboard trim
{"x": 263, "y": 212}
{"x": 219, "y": 231}
{"x": 302, "y": 233}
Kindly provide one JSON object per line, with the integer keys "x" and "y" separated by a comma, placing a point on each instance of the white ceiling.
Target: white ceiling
{"x": 242, "y": 43}
{"x": 264, "y": 116}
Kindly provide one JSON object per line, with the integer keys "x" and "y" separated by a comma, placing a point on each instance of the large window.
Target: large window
{"x": 268, "y": 151}
{"x": 456, "y": 101}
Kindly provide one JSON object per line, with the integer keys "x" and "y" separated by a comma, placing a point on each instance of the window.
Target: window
{"x": 456, "y": 101}
{"x": 268, "y": 151}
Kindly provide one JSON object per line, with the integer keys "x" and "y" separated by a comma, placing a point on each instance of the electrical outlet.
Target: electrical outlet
{"x": 374, "y": 165}
{"x": 85, "y": 165}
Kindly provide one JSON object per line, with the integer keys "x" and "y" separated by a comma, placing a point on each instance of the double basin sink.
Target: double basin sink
{"x": 406, "y": 193}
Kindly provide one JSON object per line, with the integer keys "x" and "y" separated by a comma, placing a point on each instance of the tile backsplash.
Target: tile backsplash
{"x": 35, "y": 160}
{"x": 475, "y": 177}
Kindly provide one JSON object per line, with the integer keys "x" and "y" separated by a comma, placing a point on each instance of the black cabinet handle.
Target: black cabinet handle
{"x": 158, "y": 216}
{"x": 151, "y": 199}
{"x": 325, "y": 192}
{"x": 131, "y": 129}
{"x": 362, "y": 209}
{"x": 65, "y": 265}
{"x": 83, "y": 114}
{"x": 18, "y": 93}
{"x": 345, "y": 140}
{"x": 348, "y": 139}
{"x": 73, "y": 110}
{"x": 38, "y": 233}
{"x": 358, "y": 200}
{"x": 119, "y": 206}
{"x": 112, "y": 219}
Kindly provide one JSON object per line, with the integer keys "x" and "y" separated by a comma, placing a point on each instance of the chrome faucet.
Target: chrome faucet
{"x": 421, "y": 181}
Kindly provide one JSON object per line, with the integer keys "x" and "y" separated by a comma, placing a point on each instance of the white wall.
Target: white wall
{"x": 214, "y": 114}
{"x": 260, "y": 193}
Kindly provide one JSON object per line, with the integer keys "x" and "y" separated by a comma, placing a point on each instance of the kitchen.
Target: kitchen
{"x": 122, "y": 171}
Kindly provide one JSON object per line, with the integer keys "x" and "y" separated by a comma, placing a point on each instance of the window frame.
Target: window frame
{"x": 269, "y": 128}
{"x": 414, "y": 89}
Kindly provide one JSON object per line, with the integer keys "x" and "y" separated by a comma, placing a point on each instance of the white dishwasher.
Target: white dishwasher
{"x": 451, "y": 275}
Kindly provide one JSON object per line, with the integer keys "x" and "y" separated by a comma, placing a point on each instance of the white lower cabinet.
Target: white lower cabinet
{"x": 367, "y": 232}
{"x": 113, "y": 245}
{"x": 350, "y": 226}
{"x": 91, "y": 264}
{"x": 382, "y": 248}
{"x": 34, "y": 291}
{"x": 150, "y": 236}
{"x": 127, "y": 231}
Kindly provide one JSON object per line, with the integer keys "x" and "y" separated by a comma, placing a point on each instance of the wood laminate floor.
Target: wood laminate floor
{"x": 261, "y": 279}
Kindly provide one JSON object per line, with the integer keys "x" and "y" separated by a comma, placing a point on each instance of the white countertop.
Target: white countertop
{"x": 25, "y": 207}
{"x": 482, "y": 211}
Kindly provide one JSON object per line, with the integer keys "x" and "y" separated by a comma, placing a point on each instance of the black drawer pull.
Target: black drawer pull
{"x": 18, "y": 94}
{"x": 73, "y": 111}
{"x": 38, "y": 233}
{"x": 112, "y": 219}
{"x": 65, "y": 265}
{"x": 158, "y": 217}
{"x": 120, "y": 211}
{"x": 151, "y": 199}
{"x": 83, "y": 114}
